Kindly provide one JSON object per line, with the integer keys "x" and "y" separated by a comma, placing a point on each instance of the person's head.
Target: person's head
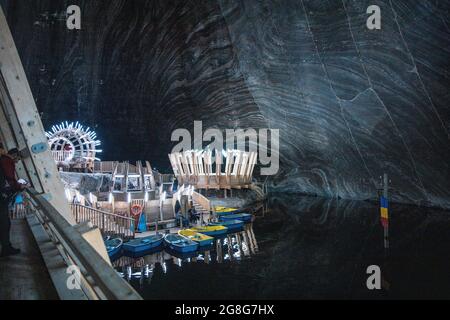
{"x": 14, "y": 154}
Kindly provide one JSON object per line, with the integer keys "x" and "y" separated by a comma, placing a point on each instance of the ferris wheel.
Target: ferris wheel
{"x": 72, "y": 143}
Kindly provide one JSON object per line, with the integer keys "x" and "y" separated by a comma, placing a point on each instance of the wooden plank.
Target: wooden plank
{"x": 105, "y": 277}
{"x": 54, "y": 262}
{"x": 23, "y": 117}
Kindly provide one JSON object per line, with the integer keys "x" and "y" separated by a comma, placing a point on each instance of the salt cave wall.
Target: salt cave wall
{"x": 350, "y": 103}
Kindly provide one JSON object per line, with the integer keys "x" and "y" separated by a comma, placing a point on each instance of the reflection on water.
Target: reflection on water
{"x": 309, "y": 248}
{"x": 230, "y": 248}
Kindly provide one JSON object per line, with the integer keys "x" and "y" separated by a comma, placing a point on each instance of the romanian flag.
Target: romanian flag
{"x": 384, "y": 211}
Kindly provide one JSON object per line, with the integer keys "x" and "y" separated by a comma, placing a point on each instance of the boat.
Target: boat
{"x": 113, "y": 247}
{"x": 179, "y": 243}
{"x": 245, "y": 217}
{"x": 181, "y": 255}
{"x": 202, "y": 239}
{"x": 224, "y": 211}
{"x": 212, "y": 231}
{"x": 143, "y": 244}
{"x": 232, "y": 225}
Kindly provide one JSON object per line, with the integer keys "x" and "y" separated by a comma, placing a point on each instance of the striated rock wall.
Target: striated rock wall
{"x": 350, "y": 103}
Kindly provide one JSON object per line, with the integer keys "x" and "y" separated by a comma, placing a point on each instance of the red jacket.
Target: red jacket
{"x": 9, "y": 170}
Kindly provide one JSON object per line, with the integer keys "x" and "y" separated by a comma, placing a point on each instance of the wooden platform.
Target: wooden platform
{"x": 25, "y": 277}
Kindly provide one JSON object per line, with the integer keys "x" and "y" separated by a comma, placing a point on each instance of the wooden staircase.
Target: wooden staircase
{"x": 201, "y": 211}
{"x": 110, "y": 224}
{"x": 198, "y": 207}
{"x": 112, "y": 228}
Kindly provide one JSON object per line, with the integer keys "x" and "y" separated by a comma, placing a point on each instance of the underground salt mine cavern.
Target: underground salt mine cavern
{"x": 225, "y": 150}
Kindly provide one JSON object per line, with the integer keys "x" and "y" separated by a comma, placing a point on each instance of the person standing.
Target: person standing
{"x": 9, "y": 188}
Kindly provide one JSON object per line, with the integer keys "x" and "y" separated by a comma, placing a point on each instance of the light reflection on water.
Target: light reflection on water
{"x": 230, "y": 248}
{"x": 309, "y": 248}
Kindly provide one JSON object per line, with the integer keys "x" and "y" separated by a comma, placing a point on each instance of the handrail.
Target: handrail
{"x": 111, "y": 224}
{"x": 98, "y": 274}
{"x": 103, "y": 212}
{"x": 202, "y": 200}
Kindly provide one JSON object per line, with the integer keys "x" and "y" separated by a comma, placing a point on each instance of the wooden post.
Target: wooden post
{"x": 184, "y": 203}
{"x": 161, "y": 207}
{"x": 21, "y": 126}
{"x": 385, "y": 185}
{"x": 201, "y": 218}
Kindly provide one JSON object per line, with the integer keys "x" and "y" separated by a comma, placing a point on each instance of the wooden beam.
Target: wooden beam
{"x": 24, "y": 123}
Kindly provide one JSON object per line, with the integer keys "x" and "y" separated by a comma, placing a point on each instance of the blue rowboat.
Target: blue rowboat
{"x": 245, "y": 217}
{"x": 181, "y": 255}
{"x": 232, "y": 225}
{"x": 114, "y": 247}
{"x": 179, "y": 243}
{"x": 144, "y": 253}
{"x": 140, "y": 245}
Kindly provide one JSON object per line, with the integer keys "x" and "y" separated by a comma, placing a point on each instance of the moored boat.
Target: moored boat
{"x": 245, "y": 217}
{"x": 202, "y": 239}
{"x": 232, "y": 225}
{"x": 114, "y": 247}
{"x": 212, "y": 231}
{"x": 143, "y": 244}
{"x": 224, "y": 211}
{"x": 181, "y": 255}
{"x": 179, "y": 243}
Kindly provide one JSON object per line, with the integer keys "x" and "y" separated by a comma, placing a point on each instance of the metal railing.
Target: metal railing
{"x": 98, "y": 279}
{"x": 109, "y": 223}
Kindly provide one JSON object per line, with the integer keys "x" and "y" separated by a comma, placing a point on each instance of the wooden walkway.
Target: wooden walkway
{"x": 25, "y": 277}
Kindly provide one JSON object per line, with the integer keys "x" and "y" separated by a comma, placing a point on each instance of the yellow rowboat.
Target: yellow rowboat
{"x": 223, "y": 211}
{"x": 211, "y": 230}
{"x": 201, "y": 239}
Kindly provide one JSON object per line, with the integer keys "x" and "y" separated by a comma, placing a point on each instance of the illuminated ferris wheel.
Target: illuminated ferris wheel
{"x": 73, "y": 146}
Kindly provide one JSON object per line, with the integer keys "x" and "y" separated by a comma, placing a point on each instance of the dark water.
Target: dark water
{"x": 310, "y": 248}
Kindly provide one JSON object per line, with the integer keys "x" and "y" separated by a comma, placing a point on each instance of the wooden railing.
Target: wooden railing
{"x": 98, "y": 279}
{"x": 60, "y": 156}
{"x": 109, "y": 223}
{"x": 202, "y": 200}
{"x": 105, "y": 166}
{"x": 204, "y": 171}
{"x": 165, "y": 178}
